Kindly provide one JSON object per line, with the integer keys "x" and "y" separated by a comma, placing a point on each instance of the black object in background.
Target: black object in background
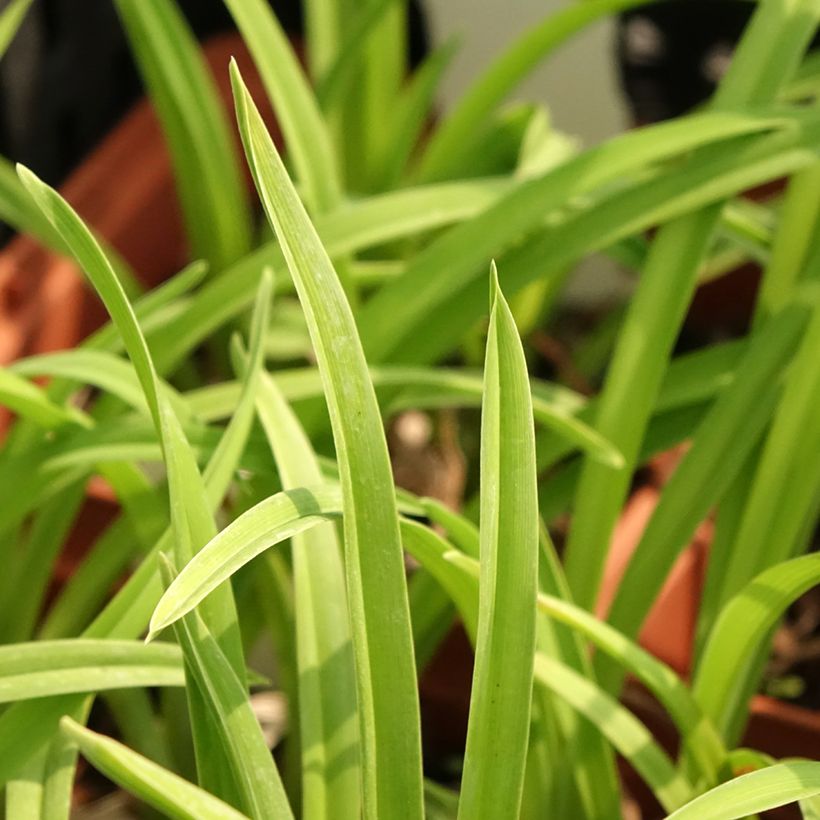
{"x": 68, "y": 76}
{"x": 671, "y": 55}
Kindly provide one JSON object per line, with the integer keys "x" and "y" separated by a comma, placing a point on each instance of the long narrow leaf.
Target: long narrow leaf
{"x": 10, "y": 21}
{"x": 234, "y": 724}
{"x": 684, "y": 709}
{"x": 192, "y": 519}
{"x": 414, "y": 110}
{"x": 720, "y": 447}
{"x": 158, "y": 787}
{"x": 297, "y": 112}
{"x": 31, "y": 402}
{"x": 465, "y": 121}
{"x": 498, "y": 728}
{"x": 749, "y": 794}
{"x": 31, "y": 670}
{"x": 625, "y": 732}
{"x": 421, "y": 290}
{"x": 553, "y": 406}
{"x": 327, "y": 689}
{"x": 270, "y": 522}
{"x": 745, "y": 624}
{"x": 205, "y": 164}
{"x": 60, "y": 769}
{"x": 771, "y": 47}
{"x": 786, "y": 480}
{"x": 382, "y": 640}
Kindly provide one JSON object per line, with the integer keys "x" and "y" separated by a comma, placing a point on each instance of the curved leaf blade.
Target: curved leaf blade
{"x": 297, "y": 111}
{"x": 624, "y": 731}
{"x": 42, "y": 668}
{"x": 165, "y": 791}
{"x": 742, "y": 626}
{"x": 210, "y": 187}
{"x": 327, "y": 687}
{"x": 377, "y": 590}
{"x": 498, "y": 728}
{"x": 749, "y": 794}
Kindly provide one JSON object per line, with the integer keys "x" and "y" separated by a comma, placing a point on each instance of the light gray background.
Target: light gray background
{"x": 578, "y": 83}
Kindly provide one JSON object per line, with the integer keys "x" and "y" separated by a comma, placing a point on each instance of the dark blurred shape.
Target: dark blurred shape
{"x": 68, "y": 76}
{"x": 671, "y": 55}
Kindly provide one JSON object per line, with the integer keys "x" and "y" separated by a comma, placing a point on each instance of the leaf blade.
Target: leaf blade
{"x": 498, "y": 727}
{"x": 158, "y": 787}
{"x": 388, "y": 699}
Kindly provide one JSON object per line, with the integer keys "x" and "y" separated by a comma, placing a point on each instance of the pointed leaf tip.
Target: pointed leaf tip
{"x": 495, "y": 287}
{"x": 30, "y": 180}
{"x": 237, "y": 82}
{"x": 69, "y": 727}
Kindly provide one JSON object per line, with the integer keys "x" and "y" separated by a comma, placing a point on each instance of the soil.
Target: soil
{"x": 793, "y": 674}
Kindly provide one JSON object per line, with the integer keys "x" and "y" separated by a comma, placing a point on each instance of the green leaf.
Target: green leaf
{"x": 354, "y": 226}
{"x": 10, "y": 20}
{"x": 28, "y": 581}
{"x": 327, "y": 686}
{"x": 323, "y": 28}
{"x": 61, "y": 767}
{"x": 579, "y": 752}
{"x": 104, "y": 565}
{"x": 187, "y": 494}
{"x": 417, "y": 298}
{"x": 151, "y": 305}
{"x": 87, "y": 367}
{"x": 498, "y": 727}
{"x": 553, "y": 405}
{"x": 191, "y": 515}
{"x": 145, "y": 517}
{"x": 24, "y": 794}
{"x": 749, "y": 794}
{"x": 719, "y": 450}
{"x": 268, "y": 523}
{"x": 31, "y": 402}
{"x": 17, "y": 209}
{"x": 430, "y": 549}
{"x": 143, "y": 778}
{"x": 210, "y": 187}
{"x": 466, "y": 119}
{"x": 440, "y": 803}
{"x": 104, "y": 370}
{"x": 234, "y": 724}
{"x": 786, "y": 480}
{"x": 744, "y": 625}
{"x": 414, "y": 109}
{"x": 458, "y": 575}
{"x": 35, "y": 670}
{"x": 98, "y": 269}
{"x": 764, "y": 60}
{"x": 694, "y": 726}
{"x": 624, "y": 731}
{"x": 382, "y": 639}
{"x": 334, "y": 78}
{"x": 380, "y": 66}
{"x": 139, "y": 726}
{"x": 306, "y": 137}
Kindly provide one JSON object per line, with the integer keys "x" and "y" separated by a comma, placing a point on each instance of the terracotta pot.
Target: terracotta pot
{"x": 669, "y": 630}
{"x": 125, "y": 190}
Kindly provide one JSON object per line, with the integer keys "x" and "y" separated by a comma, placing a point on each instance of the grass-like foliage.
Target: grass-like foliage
{"x": 242, "y": 416}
